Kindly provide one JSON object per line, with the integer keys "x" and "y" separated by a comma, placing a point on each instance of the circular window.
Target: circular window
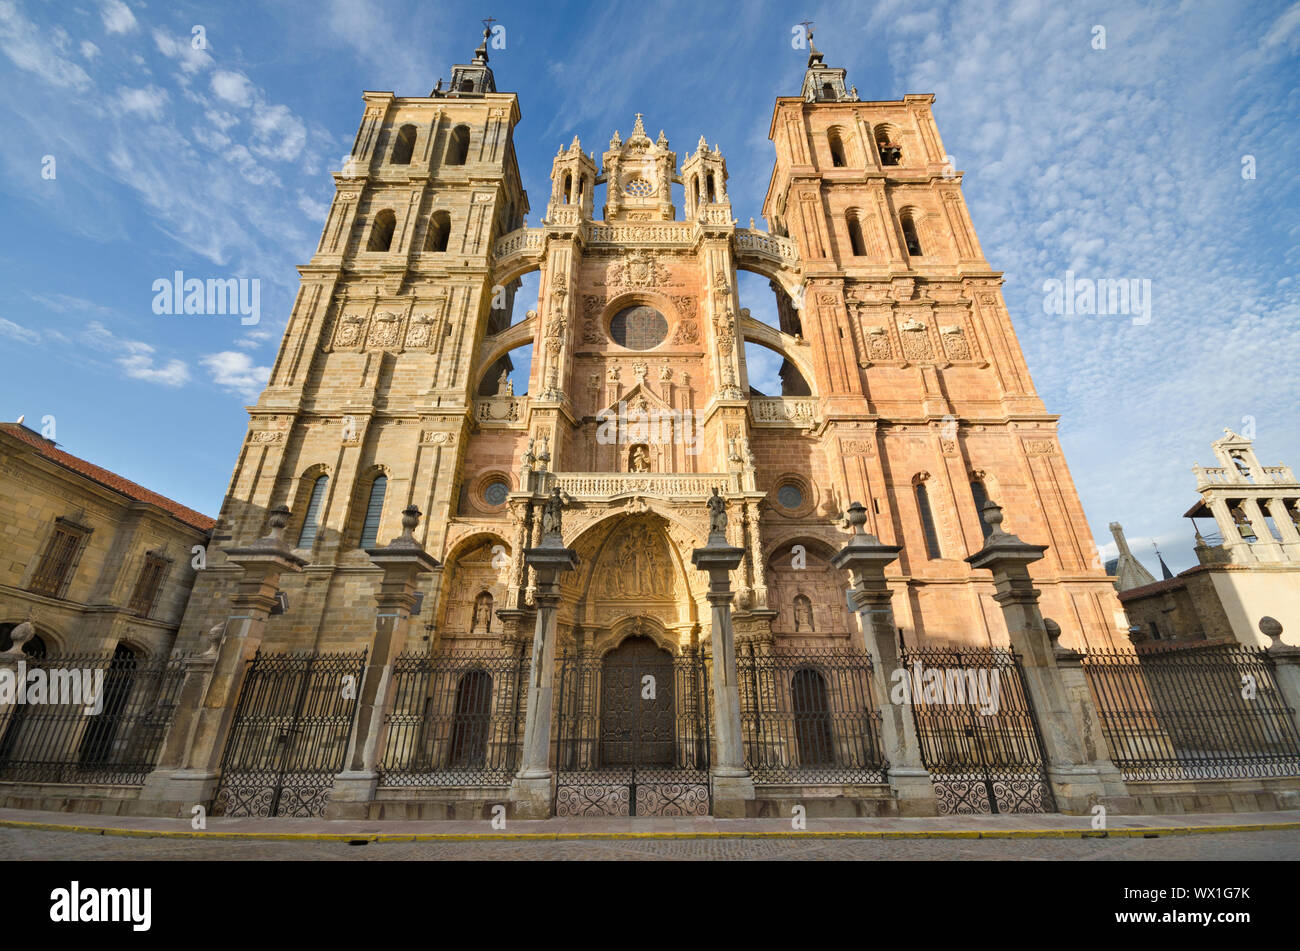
{"x": 638, "y": 328}
{"x": 495, "y": 492}
{"x": 639, "y": 188}
{"x": 789, "y": 496}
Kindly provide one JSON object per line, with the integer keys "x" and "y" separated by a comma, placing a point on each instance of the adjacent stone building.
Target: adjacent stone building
{"x": 96, "y": 562}
{"x": 1248, "y": 565}
{"x": 903, "y": 386}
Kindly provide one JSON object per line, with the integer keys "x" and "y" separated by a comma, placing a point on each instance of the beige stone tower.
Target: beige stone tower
{"x": 903, "y": 386}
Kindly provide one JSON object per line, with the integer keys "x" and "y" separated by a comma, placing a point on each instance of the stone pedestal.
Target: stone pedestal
{"x": 531, "y": 793}
{"x": 865, "y": 558}
{"x": 403, "y": 560}
{"x": 732, "y": 786}
{"x": 196, "y": 738}
{"x": 1080, "y": 776}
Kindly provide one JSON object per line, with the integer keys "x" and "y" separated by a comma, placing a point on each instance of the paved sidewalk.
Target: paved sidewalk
{"x": 944, "y": 827}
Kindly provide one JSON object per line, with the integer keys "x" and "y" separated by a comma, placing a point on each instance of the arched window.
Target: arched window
{"x": 927, "y": 522}
{"x": 374, "y": 509}
{"x": 803, "y": 616}
{"x": 482, "y": 612}
{"x": 828, "y": 91}
{"x": 855, "y": 236}
{"x": 909, "y": 234}
{"x": 890, "y": 152}
{"x": 837, "y": 149}
{"x": 470, "y": 721}
{"x": 381, "y": 232}
{"x": 698, "y": 192}
{"x": 568, "y": 188}
{"x": 1243, "y": 470}
{"x": 980, "y": 496}
{"x": 713, "y": 193}
{"x": 435, "y": 239}
{"x": 467, "y": 85}
{"x": 311, "y": 520}
{"x": 403, "y": 146}
{"x": 458, "y": 145}
{"x": 812, "y": 718}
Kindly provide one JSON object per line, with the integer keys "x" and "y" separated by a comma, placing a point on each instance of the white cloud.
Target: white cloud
{"x": 147, "y": 102}
{"x": 117, "y": 16}
{"x": 21, "y": 41}
{"x": 88, "y": 49}
{"x": 235, "y": 371}
{"x": 135, "y": 357}
{"x": 17, "y": 332}
{"x": 232, "y": 87}
{"x": 181, "y": 49}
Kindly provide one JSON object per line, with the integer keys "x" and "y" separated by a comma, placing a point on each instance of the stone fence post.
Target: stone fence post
{"x": 732, "y": 784}
{"x": 197, "y": 736}
{"x": 403, "y": 560}
{"x": 1080, "y": 776}
{"x": 531, "y": 790}
{"x": 865, "y": 558}
{"x": 1286, "y": 664}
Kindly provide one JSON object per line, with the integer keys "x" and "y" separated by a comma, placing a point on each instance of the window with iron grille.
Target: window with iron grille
{"x": 147, "y": 586}
{"x": 53, "y": 572}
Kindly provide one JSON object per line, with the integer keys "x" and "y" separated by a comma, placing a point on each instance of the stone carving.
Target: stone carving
{"x": 638, "y": 565}
{"x": 724, "y": 326}
{"x": 439, "y": 438}
{"x": 420, "y": 333}
{"x": 482, "y": 612}
{"x": 857, "y": 447}
{"x": 803, "y": 616}
{"x": 640, "y": 459}
{"x": 878, "y": 346}
{"x": 553, "y": 512}
{"x": 640, "y": 369}
{"x": 665, "y": 372}
{"x": 916, "y": 342}
{"x": 1040, "y": 447}
{"x": 265, "y": 436}
{"x": 349, "y": 331}
{"x": 954, "y": 343}
{"x": 385, "y": 332}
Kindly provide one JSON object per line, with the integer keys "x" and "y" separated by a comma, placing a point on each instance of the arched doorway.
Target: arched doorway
{"x": 469, "y": 729}
{"x": 637, "y": 705}
{"x": 812, "y": 718}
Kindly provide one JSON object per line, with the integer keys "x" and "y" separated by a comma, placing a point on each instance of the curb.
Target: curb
{"x": 368, "y": 837}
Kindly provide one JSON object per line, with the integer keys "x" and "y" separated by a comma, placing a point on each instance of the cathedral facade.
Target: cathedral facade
{"x": 903, "y": 387}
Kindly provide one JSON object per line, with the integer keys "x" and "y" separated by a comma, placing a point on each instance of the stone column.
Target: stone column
{"x": 195, "y": 782}
{"x": 732, "y": 785}
{"x": 1286, "y": 663}
{"x": 1290, "y": 535}
{"x": 865, "y": 558}
{"x": 531, "y": 790}
{"x": 1080, "y": 777}
{"x": 403, "y": 560}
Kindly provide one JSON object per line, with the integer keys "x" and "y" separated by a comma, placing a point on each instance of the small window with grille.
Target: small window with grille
{"x": 147, "y": 586}
{"x": 55, "y": 568}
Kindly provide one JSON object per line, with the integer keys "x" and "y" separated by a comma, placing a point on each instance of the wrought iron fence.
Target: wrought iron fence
{"x": 456, "y": 719}
{"x": 1210, "y": 712}
{"x": 808, "y": 716}
{"x": 290, "y": 734}
{"x": 632, "y": 733}
{"x": 89, "y": 718}
{"x": 977, "y": 729}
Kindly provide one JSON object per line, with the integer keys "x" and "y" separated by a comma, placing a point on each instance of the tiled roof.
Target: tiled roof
{"x": 107, "y": 479}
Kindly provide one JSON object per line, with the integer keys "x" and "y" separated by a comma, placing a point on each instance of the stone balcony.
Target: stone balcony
{"x": 673, "y": 486}
{"x": 1275, "y": 476}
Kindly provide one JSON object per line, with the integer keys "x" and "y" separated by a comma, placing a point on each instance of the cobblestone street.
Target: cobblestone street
{"x": 1269, "y": 845}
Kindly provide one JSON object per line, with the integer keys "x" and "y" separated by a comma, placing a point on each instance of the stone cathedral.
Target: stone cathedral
{"x": 903, "y": 387}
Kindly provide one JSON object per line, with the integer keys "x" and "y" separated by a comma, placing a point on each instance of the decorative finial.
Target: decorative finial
{"x": 1053, "y": 630}
{"x": 410, "y": 519}
{"x": 992, "y": 513}
{"x": 857, "y": 517}
{"x": 278, "y": 519}
{"x": 1271, "y": 628}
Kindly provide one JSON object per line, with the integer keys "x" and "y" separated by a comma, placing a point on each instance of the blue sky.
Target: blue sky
{"x": 1123, "y": 162}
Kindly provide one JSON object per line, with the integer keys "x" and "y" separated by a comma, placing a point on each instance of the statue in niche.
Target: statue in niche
{"x": 803, "y": 616}
{"x": 717, "y": 506}
{"x": 639, "y": 459}
{"x": 504, "y": 385}
{"x": 482, "y": 612}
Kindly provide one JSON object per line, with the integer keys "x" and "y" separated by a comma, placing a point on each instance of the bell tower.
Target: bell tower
{"x": 639, "y": 175}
